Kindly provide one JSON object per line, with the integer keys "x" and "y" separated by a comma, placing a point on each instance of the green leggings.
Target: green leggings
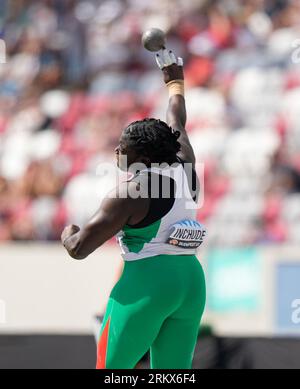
{"x": 157, "y": 304}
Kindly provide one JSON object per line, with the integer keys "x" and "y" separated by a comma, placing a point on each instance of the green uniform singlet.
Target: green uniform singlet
{"x": 159, "y": 300}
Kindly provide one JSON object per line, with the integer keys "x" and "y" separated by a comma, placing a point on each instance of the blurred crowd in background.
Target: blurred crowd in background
{"x": 76, "y": 75}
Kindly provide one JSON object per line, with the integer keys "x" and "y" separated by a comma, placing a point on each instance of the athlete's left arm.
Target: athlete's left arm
{"x": 108, "y": 221}
{"x": 173, "y": 74}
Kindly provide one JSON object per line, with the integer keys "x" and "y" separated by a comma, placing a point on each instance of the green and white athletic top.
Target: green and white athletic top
{"x": 170, "y": 226}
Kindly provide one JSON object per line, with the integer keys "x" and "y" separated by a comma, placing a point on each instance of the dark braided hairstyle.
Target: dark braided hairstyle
{"x": 154, "y": 139}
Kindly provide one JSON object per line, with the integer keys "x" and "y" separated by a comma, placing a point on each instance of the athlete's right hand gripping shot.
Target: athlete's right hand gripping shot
{"x": 159, "y": 300}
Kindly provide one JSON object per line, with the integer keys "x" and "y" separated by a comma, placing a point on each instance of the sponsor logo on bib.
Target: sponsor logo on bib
{"x": 188, "y": 234}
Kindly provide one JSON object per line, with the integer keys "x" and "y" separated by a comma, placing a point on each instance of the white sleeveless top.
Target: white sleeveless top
{"x": 152, "y": 240}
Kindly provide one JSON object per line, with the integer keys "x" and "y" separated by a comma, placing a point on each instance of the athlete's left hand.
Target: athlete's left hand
{"x": 69, "y": 231}
{"x": 171, "y": 66}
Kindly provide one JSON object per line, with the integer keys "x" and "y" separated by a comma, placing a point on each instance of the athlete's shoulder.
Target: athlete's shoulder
{"x": 124, "y": 190}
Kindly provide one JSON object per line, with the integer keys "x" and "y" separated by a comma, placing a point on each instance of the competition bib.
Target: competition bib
{"x": 187, "y": 234}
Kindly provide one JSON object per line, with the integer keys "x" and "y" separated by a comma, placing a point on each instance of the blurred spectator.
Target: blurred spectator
{"x": 285, "y": 179}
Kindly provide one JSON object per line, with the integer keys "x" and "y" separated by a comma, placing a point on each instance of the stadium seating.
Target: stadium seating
{"x": 73, "y": 80}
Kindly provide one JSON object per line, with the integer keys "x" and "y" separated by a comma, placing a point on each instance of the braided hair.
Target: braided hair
{"x": 154, "y": 139}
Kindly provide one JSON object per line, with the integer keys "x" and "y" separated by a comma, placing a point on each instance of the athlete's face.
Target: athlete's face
{"x": 126, "y": 155}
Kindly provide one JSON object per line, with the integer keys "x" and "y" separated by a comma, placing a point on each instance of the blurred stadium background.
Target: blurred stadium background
{"x": 75, "y": 75}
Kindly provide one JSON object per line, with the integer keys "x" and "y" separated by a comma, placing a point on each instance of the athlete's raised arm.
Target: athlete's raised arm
{"x": 172, "y": 69}
{"x": 116, "y": 210}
